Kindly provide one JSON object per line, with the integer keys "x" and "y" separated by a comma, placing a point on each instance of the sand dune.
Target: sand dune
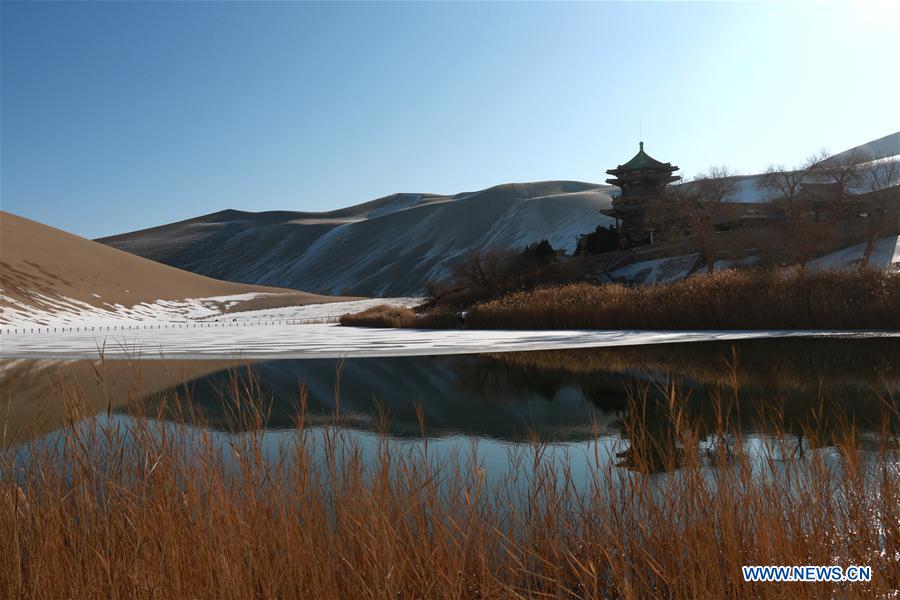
{"x": 49, "y": 270}
{"x": 888, "y": 145}
{"x": 396, "y": 245}
{"x": 391, "y": 246}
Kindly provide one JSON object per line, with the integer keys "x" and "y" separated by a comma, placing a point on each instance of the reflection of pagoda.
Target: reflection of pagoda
{"x": 642, "y": 180}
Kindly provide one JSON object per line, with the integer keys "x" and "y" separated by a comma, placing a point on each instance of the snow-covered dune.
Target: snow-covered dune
{"x": 53, "y": 278}
{"x": 391, "y": 246}
{"x": 396, "y": 245}
{"x": 886, "y": 146}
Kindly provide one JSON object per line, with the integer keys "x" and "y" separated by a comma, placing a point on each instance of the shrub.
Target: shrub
{"x": 599, "y": 241}
{"x": 394, "y": 316}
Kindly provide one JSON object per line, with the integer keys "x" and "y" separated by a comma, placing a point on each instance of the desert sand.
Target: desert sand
{"x": 47, "y": 268}
{"x": 393, "y": 246}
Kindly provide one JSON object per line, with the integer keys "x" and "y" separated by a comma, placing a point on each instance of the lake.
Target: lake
{"x": 570, "y": 400}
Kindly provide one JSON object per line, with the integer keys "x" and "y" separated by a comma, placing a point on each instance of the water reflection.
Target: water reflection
{"x": 556, "y": 396}
{"x": 570, "y": 395}
{"x": 448, "y": 395}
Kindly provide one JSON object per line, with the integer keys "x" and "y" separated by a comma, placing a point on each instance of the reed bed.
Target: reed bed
{"x": 402, "y": 317}
{"x": 734, "y": 299}
{"x": 125, "y": 507}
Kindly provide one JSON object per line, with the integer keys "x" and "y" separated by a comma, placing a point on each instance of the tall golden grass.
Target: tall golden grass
{"x": 396, "y": 316}
{"x": 138, "y": 507}
{"x": 735, "y": 299}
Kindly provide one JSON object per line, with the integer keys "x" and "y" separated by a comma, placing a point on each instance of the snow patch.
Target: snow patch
{"x": 721, "y": 265}
{"x": 885, "y": 255}
{"x": 67, "y": 312}
{"x": 661, "y": 270}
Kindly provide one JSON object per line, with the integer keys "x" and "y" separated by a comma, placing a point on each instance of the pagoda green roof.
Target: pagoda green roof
{"x": 642, "y": 160}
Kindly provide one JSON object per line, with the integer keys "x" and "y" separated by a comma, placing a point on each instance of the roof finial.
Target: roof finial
{"x": 642, "y": 146}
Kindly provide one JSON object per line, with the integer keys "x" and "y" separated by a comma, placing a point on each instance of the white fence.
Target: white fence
{"x": 135, "y": 326}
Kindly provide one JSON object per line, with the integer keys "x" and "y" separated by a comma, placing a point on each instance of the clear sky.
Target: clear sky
{"x": 119, "y": 116}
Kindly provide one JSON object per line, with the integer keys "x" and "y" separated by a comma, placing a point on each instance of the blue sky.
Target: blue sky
{"x": 119, "y": 116}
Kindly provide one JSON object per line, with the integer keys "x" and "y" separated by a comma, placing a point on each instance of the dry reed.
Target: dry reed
{"x": 735, "y": 299}
{"x": 114, "y": 507}
{"x": 393, "y": 316}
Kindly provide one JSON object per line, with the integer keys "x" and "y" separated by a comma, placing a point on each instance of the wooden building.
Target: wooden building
{"x": 643, "y": 179}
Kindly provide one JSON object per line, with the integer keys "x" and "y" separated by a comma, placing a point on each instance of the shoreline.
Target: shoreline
{"x": 268, "y": 342}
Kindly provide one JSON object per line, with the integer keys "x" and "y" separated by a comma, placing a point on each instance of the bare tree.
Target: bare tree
{"x": 717, "y": 184}
{"x": 841, "y": 177}
{"x": 881, "y": 185}
{"x": 497, "y": 271}
{"x": 491, "y": 272}
{"x": 692, "y": 210}
{"x": 803, "y": 231}
{"x": 714, "y": 189}
{"x": 786, "y": 185}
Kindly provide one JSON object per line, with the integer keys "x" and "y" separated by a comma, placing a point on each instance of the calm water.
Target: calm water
{"x": 562, "y": 396}
{"x": 565, "y": 398}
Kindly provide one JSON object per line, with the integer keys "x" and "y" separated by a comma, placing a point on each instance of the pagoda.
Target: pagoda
{"x": 642, "y": 180}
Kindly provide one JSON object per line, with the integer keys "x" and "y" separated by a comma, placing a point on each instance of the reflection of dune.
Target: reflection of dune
{"x": 38, "y": 396}
{"x": 442, "y": 388}
{"x": 562, "y": 395}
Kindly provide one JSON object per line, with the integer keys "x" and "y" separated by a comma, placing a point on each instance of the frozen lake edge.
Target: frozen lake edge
{"x": 269, "y": 342}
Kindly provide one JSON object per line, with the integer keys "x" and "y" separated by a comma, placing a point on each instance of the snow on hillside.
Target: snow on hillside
{"x": 396, "y": 245}
{"x": 888, "y": 145}
{"x": 389, "y": 247}
{"x": 883, "y": 151}
{"x": 749, "y": 190}
{"x": 68, "y": 312}
{"x": 885, "y": 255}
{"x": 662, "y": 270}
{"x": 881, "y": 172}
